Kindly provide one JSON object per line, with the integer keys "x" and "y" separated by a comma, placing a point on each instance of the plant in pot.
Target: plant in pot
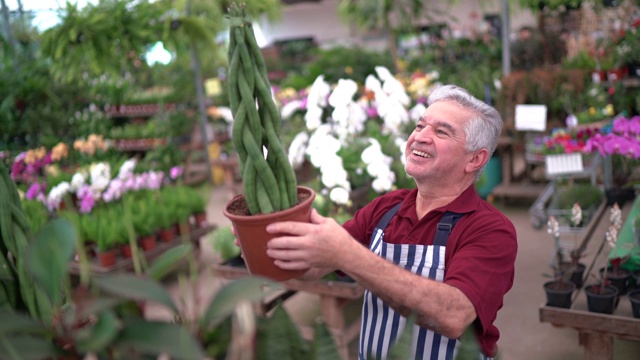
{"x": 222, "y": 241}
{"x": 198, "y": 206}
{"x": 165, "y": 220}
{"x": 270, "y": 190}
{"x": 560, "y": 289}
{"x": 603, "y": 297}
{"x": 106, "y": 248}
{"x": 615, "y": 273}
{"x": 619, "y": 145}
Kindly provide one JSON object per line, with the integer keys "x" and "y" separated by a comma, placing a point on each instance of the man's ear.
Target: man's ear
{"x": 478, "y": 160}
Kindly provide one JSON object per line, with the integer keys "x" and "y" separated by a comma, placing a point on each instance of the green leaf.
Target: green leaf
{"x": 26, "y": 348}
{"x": 48, "y": 255}
{"x": 98, "y": 305}
{"x": 323, "y": 346}
{"x": 135, "y": 288}
{"x": 469, "y": 346}
{"x": 168, "y": 261}
{"x": 101, "y": 335}
{"x": 244, "y": 289}
{"x": 155, "y": 338}
{"x": 13, "y": 322}
{"x": 279, "y": 338}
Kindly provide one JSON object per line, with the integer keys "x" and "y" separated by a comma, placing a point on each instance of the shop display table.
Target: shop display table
{"x": 596, "y": 332}
{"x": 334, "y": 297}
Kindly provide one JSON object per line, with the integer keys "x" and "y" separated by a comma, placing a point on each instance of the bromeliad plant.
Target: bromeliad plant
{"x": 269, "y": 182}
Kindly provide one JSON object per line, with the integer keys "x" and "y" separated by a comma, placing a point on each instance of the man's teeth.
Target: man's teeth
{"x": 421, "y": 154}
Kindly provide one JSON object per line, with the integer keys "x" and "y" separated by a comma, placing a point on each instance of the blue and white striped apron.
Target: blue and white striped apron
{"x": 381, "y": 325}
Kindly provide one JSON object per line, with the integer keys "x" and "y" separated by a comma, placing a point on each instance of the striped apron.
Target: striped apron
{"x": 381, "y": 325}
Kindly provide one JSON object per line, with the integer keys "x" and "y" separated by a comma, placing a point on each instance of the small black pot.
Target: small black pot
{"x": 634, "y": 298}
{"x": 601, "y": 300}
{"x": 619, "y": 195}
{"x": 559, "y": 293}
{"x": 619, "y": 279}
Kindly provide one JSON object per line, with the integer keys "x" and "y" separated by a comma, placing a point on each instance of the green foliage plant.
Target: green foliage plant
{"x": 269, "y": 184}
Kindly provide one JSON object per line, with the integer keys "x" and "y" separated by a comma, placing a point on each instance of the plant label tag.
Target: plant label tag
{"x": 531, "y": 117}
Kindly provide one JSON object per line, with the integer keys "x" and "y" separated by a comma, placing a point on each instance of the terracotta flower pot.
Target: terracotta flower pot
{"x": 125, "y": 251}
{"x": 147, "y": 242}
{"x": 200, "y": 219}
{"x": 168, "y": 234}
{"x": 107, "y": 258}
{"x": 253, "y": 238}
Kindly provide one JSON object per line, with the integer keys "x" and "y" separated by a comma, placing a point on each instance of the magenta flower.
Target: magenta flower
{"x": 175, "y": 172}
{"x": 34, "y": 190}
{"x": 17, "y": 168}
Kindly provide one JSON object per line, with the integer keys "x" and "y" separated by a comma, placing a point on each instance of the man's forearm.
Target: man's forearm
{"x": 439, "y": 307}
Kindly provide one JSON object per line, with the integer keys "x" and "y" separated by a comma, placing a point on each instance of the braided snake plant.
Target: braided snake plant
{"x": 269, "y": 182}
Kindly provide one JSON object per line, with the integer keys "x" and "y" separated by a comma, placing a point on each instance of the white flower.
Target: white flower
{"x": 290, "y": 108}
{"x": 402, "y": 145}
{"x": 339, "y": 195}
{"x": 371, "y": 83}
{"x": 552, "y": 227}
{"x": 612, "y": 236}
{"x": 384, "y": 183}
{"x": 417, "y": 111}
{"x": 313, "y": 117}
{"x": 100, "y": 176}
{"x": 333, "y": 173}
{"x": 297, "y": 149}
{"x": 225, "y": 113}
{"x": 126, "y": 170}
{"x": 77, "y": 181}
{"x": 343, "y": 93}
{"x": 318, "y": 93}
{"x": 576, "y": 214}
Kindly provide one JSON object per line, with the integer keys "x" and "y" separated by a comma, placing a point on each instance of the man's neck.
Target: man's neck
{"x": 430, "y": 199}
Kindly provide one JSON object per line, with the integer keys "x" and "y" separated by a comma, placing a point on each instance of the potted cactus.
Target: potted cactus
{"x": 270, "y": 190}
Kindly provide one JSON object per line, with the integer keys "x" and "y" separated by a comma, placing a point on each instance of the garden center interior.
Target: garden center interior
{"x": 118, "y": 163}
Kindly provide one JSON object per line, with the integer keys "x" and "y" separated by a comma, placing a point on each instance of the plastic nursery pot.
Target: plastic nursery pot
{"x": 559, "y": 293}
{"x": 253, "y": 238}
{"x": 618, "y": 279}
{"x": 601, "y": 299}
{"x": 634, "y": 298}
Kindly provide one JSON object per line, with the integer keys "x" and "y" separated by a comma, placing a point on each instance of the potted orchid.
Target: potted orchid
{"x": 354, "y": 134}
{"x": 619, "y": 143}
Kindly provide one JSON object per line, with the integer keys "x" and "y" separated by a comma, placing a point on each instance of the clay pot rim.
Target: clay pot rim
{"x": 266, "y": 218}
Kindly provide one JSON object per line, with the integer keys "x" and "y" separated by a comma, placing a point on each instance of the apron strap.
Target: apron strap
{"x": 386, "y": 218}
{"x": 448, "y": 220}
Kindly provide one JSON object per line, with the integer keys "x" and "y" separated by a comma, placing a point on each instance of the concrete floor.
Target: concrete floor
{"x": 523, "y": 336}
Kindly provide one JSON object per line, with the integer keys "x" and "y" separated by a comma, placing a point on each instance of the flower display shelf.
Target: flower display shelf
{"x": 334, "y": 297}
{"x": 124, "y": 265}
{"x": 596, "y": 331}
{"x": 143, "y": 110}
{"x": 137, "y": 144}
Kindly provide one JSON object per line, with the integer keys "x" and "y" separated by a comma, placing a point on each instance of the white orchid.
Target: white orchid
{"x": 126, "y": 169}
{"x": 290, "y": 108}
{"x": 297, "y": 149}
{"x": 339, "y": 195}
{"x": 100, "y": 175}
{"x": 77, "y": 181}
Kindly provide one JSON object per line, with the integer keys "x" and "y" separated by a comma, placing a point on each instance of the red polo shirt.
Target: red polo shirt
{"x": 480, "y": 255}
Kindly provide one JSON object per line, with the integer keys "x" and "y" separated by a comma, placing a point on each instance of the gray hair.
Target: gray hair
{"x": 483, "y": 130}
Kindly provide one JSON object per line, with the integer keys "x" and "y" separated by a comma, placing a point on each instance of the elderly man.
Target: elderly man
{"x": 438, "y": 251}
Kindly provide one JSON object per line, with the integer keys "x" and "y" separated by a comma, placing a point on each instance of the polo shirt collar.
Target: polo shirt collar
{"x": 467, "y": 202}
